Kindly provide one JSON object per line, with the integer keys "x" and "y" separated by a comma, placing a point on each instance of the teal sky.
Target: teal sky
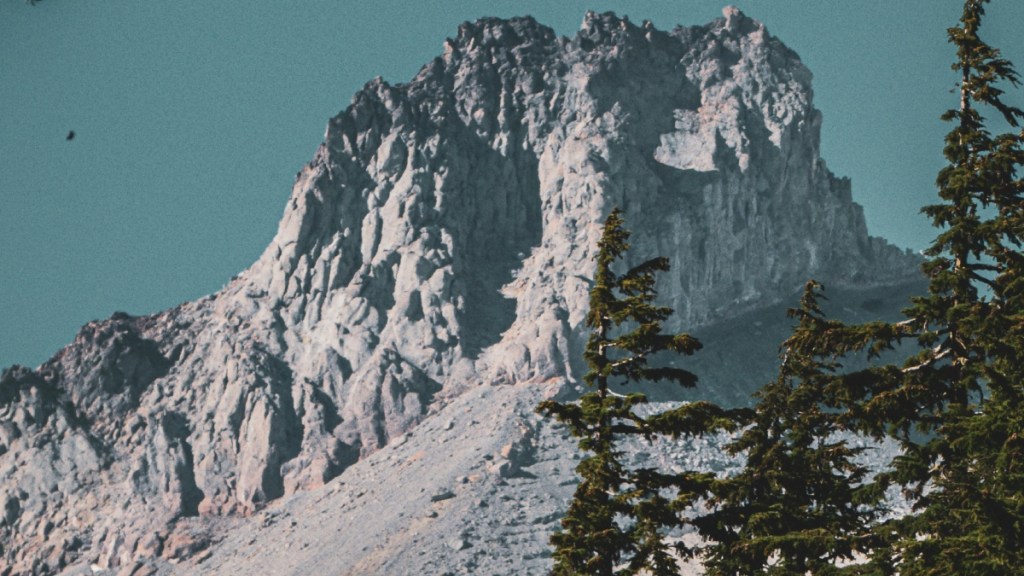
{"x": 192, "y": 118}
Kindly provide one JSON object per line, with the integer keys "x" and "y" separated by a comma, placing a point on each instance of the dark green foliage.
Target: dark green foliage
{"x": 801, "y": 503}
{"x": 964, "y": 392}
{"x": 617, "y": 521}
{"x": 957, "y": 407}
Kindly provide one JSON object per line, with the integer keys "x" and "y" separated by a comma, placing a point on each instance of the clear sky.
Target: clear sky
{"x": 192, "y": 118}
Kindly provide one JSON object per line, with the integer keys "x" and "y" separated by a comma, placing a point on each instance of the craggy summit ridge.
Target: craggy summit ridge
{"x": 440, "y": 238}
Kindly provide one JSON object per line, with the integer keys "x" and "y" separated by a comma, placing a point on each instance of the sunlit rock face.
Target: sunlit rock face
{"x": 441, "y": 238}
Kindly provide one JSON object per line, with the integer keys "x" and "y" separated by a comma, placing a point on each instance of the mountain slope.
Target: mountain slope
{"x": 438, "y": 243}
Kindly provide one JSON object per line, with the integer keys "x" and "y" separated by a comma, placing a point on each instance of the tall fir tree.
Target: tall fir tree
{"x": 965, "y": 391}
{"x": 801, "y": 504}
{"x": 956, "y": 407}
{"x": 618, "y": 519}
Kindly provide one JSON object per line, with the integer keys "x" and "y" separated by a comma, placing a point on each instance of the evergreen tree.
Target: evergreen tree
{"x": 618, "y": 518}
{"x": 956, "y": 407}
{"x": 965, "y": 392}
{"x": 801, "y": 502}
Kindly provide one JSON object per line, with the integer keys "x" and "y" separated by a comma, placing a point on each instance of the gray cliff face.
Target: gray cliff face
{"x": 441, "y": 238}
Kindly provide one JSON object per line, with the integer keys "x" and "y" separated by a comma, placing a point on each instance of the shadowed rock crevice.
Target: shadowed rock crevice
{"x": 507, "y": 228}
{"x": 176, "y": 430}
{"x": 284, "y": 430}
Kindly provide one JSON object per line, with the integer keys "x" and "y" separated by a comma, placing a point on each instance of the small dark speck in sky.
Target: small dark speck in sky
{"x": 71, "y": 134}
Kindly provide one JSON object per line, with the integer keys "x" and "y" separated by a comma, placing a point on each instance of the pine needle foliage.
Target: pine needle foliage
{"x": 801, "y": 503}
{"x": 957, "y": 406}
{"x": 618, "y": 519}
{"x": 965, "y": 392}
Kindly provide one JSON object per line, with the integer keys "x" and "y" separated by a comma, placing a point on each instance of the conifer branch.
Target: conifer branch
{"x": 938, "y": 353}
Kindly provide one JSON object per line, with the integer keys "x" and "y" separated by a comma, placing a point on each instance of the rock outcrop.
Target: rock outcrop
{"x": 441, "y": 239}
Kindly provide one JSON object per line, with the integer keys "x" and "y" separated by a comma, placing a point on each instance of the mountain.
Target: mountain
{"x": 426, "y": 286}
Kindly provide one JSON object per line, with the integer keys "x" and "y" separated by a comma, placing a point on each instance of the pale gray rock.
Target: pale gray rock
{"x": 439, "y": 243}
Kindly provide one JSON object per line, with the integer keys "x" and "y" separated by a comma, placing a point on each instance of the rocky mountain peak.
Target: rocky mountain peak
{"x": 490, "y": 34}
{"x": 440, "y": 239}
